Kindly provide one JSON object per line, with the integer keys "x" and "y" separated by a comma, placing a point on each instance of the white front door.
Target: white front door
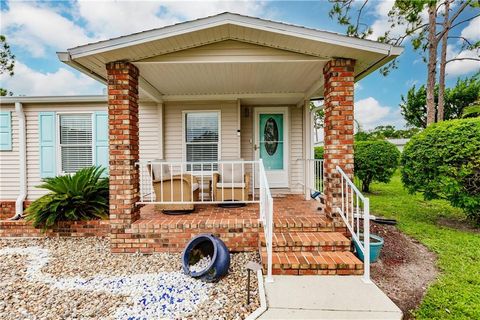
{"x": 271, "y": 143}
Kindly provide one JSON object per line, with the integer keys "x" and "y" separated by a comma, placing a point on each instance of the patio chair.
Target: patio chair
{"x": 231, "y": 186}
{"x": 168, "y": 188}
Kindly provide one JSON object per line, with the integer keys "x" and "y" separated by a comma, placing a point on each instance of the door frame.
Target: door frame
{"x": 286, "y": 146}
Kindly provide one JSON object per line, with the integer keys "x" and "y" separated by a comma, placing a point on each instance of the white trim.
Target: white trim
{"x": 54, "y": 99}
{"x": 237, "y": 20}
{"x": 286, "y": 141}
{"x": 58, "y": 147}
{"x": 217, "y": 97}
{"x": 184, "y": 142}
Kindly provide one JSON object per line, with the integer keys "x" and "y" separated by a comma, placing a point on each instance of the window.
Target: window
{"x": 201, "y": 138}
{"x": 76, "y": 146}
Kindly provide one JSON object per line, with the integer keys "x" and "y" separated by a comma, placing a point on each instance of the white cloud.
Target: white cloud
{"x": 27, "y": 81}
{"x": 381, "y": 22}
{"x": 461, "y": 67}
{"x": 108, "y": 18}
{"x": 472, "y": 31}
{"x": 370, "y": 113}
{"x": 35, "y": 28}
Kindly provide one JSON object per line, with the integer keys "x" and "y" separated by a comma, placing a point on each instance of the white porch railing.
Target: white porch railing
{"x": 266, "y": 215}
{"x": 314, "y": 178}
{"x": 214, "y": 182}
{"x": 353, "y": 207}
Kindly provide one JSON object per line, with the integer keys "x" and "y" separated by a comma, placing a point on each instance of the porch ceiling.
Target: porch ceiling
{"x": 290, "y": 63}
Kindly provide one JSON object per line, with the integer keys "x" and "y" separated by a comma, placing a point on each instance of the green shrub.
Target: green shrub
{"x": 375, "y": 161}
{"x": 443, "y": 162}
{"x": 318, "y": 152}
{"x": 82, "y": 196}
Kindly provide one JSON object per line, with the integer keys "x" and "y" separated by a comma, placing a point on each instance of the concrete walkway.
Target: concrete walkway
{"x": 327, "y": 297}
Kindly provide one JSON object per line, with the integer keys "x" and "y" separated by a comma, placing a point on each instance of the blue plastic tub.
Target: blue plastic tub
{"x": 376, "y": 245}
{"x": 206, "y": 245}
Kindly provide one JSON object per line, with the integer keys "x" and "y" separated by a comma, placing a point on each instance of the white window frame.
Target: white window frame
{"x": 184, "y": 136}
{"x": 57, "y": 142}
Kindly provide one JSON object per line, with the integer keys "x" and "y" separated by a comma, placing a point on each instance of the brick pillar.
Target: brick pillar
{"x": 338, "y": 128}
{"x": 123, "y": 144}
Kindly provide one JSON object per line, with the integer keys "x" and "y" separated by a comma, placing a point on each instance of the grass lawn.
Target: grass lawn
{"x": 456, "y": 294}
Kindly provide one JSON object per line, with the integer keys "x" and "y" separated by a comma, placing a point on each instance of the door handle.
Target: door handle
{"x": 255, "y": 147}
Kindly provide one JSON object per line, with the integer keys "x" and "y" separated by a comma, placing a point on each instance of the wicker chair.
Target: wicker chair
{"x": 168, "y": 188}
{"x": 231, "y": 186}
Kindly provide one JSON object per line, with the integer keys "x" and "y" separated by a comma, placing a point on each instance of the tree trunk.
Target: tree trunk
{"x": 432, "y": 62}
{"x": 443, "y": 63}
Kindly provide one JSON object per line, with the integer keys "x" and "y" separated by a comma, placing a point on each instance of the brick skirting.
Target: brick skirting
{"x": 22, "y": 228}
{"x": 7, "y": 208}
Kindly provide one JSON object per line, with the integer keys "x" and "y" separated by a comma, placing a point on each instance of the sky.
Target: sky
{"x": 36, "y": 30}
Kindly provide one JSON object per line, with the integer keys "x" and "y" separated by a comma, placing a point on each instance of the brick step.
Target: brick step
{"x": 316, "y": 222}
{"x": 311, "y": 263}
{"x": 307, "y": 241}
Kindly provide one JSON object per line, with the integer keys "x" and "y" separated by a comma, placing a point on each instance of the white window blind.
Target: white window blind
{"x": 75, "y": 142}
{"x": 201, "y": 137}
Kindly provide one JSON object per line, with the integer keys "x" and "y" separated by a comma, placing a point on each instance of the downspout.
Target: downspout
{"x": 22, "y": 150}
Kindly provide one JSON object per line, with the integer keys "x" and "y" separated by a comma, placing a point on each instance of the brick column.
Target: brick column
{"x": 123, "y": 146}
{"x": 338, "y": 128}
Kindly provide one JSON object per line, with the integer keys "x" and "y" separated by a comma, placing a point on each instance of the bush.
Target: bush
{"x": 375, "y": 161}
{"x": 82, "y": 196}
{"x": 443, "y": 162}
{"x": 318, "y": 152}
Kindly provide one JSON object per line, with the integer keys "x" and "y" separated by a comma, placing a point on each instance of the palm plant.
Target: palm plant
{"x": 81, "y": 196}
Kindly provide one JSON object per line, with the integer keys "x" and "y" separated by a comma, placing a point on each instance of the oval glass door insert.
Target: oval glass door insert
{"x": 270, "y": 136}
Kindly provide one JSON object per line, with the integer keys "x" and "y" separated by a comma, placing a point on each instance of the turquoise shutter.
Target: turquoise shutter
{"x": 47, "y": 129}
{"x": 101, "y": 138}
{"x": 5, "y": 131}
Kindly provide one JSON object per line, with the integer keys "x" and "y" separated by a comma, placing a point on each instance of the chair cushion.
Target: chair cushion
{"x": 225, "y": 171}
{"x": 195, "y": 186}
{"x": 160, "y": 171}
{"x": 231, "y": 185}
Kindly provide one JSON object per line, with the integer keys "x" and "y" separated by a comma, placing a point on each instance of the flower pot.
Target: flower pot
{"x": 376, "y": 245}
{"x": 202, "y": 246}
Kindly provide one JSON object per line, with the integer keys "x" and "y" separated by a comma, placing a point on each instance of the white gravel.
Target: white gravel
{"x": 79, "y": 279}
{"x": 201, "y": 264}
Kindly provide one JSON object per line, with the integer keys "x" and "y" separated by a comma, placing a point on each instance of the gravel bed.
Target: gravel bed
{"x": 55, "y": 278}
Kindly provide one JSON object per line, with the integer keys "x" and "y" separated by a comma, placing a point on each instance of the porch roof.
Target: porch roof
{"x": 230, "y": 56}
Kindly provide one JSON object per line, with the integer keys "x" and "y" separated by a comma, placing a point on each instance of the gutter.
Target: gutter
{"x": 392, "y": 52}
{"x": 22, "y": 139}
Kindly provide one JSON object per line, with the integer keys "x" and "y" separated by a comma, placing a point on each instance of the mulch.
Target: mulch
{"x": 404, "y": 270}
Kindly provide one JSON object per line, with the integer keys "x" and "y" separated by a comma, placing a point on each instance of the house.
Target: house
{"x": 399, "y": 143}
{"x": 193, "y": 100}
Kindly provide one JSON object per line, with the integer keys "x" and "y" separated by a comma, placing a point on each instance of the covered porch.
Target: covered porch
{"x": 188, "y": 101}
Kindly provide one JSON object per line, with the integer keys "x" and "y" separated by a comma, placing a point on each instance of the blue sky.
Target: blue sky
{"x": 36, "y": 30}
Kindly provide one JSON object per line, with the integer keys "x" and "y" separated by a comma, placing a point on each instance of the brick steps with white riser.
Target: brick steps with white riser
{"x": 313, "y": 263}
{"x": 307, "y": 241}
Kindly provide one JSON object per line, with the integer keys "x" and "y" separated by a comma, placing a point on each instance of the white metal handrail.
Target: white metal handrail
{"x": 200, "y": 176}
{"x": 315, "y": 169}
{"x": 353, "y": 207}
{"x": 266, "y": 216}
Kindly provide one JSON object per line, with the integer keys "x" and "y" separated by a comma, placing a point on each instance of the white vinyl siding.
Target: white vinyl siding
{"x": 297, "y": 145}
{"x": 9, "y": 163}
{"x": 75, "y": 142}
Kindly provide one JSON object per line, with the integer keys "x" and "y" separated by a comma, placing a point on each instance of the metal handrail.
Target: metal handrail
{"x": 266, "y": 215}
{"x": 353, "y": 202}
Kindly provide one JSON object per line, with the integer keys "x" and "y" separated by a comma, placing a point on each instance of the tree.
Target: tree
{"x": 424, "y": 36}
{"x": 465, "y": 92}
{"x": 7, "y": 62}
{"x": 375, "y": 161}
{"x": 443, "y": 162}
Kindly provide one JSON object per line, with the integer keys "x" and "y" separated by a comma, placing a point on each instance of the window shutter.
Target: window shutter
{"x": 47, "y": 144}
{"x": 101, "y": 139}
{"x": 6, "y": 131}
